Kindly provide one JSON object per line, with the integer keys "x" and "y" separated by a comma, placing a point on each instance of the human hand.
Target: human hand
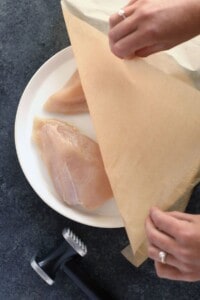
{"x": 153, "y": 25}
{"x": 177, "y": 234}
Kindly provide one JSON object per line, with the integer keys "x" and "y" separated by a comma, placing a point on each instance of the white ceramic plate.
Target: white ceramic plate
{"x": 48, "y": 79}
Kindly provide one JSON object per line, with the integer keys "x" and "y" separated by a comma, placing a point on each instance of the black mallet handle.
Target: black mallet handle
{"x": 81, "y": 279}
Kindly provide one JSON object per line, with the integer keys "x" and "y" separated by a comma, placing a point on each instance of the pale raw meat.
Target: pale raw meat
{"x": 70, "y": 99}
{"x": 74, "y": 163}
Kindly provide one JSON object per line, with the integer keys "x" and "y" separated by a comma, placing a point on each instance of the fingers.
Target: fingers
{"x": 131, "y": 2}
{"x": 127, "y": 46}
{"x": 169, "y": 272}
{"x": 122, "y": 29}
{"x": 181, "y": 216}
{"x": 128, "y": 39}
{"x": 128, "y": 10}
{"x": 153, "y": 253}
{"x": 149, "y": 50}
{"x": 123, "y": 36}
{"x": 177, "y": 234}
{"x": 116, "y": 18}
{"x": 159, "y": 239}
{"x": 165, "y": 222}
{"x": 170, "y": 260}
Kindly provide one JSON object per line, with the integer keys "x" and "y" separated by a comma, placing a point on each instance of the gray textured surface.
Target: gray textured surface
{"x": 30, "y": 33}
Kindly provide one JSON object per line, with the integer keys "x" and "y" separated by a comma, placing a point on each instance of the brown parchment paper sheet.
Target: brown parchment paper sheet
{"x": 148, "y": 128}
{"x": 97, "y": 13}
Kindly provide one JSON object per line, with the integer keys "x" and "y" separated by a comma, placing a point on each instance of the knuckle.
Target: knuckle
{"x": 112, "y": 47}
{"x": 185, "y": 255}
{"x": 150, "y": 252}
{"x": 158, "y": 221}
{"x": 152, "y": 237}
{"x": 185, "y": 236}
{"x": 111, "y": 35}
{"x": 144, "y": 12}
{"x": 112, "y": 20}
{"x": 118, "y": 49}
{"x": 129, "y": 25}
{"x": 152, "y": 31}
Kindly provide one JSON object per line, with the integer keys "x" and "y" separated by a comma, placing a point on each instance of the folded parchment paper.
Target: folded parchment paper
{"x": 147, "y": 125}
{"x": 97, "y": 13}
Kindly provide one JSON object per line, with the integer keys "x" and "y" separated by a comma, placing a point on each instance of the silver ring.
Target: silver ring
{"x": 121, "y": 13}
{"x": 162, "y": 257}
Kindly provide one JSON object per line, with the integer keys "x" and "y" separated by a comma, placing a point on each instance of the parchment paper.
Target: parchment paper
{"x": 97, "y": 13}
{"x": 147, "y": 125}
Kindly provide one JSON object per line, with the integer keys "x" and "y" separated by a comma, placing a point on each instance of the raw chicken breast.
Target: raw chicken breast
{"x": 74, "y": 163}
{"x": 70, "y": 99}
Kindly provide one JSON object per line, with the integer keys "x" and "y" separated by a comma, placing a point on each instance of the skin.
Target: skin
{"x": 153, "y": 25}
{"x": 178, "y": 235}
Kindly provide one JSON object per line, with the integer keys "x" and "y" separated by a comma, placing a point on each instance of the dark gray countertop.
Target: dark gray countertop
{"x": 30, "y": 33}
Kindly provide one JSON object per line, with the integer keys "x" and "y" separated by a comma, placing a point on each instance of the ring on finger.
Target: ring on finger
{"x": 162, "y": 256}
{"x": 121, "y": 13}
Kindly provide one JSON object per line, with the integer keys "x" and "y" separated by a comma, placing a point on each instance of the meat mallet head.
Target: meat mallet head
{"x": 71, "y": 248}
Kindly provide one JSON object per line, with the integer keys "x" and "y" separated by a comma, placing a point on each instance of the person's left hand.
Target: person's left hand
{"x": 151, "y": 26}
{"x": 177, "y": 234}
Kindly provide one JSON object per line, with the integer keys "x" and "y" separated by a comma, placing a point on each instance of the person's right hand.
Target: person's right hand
{"x": 178, "y": 235}
{"x": 153, "y": 25}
